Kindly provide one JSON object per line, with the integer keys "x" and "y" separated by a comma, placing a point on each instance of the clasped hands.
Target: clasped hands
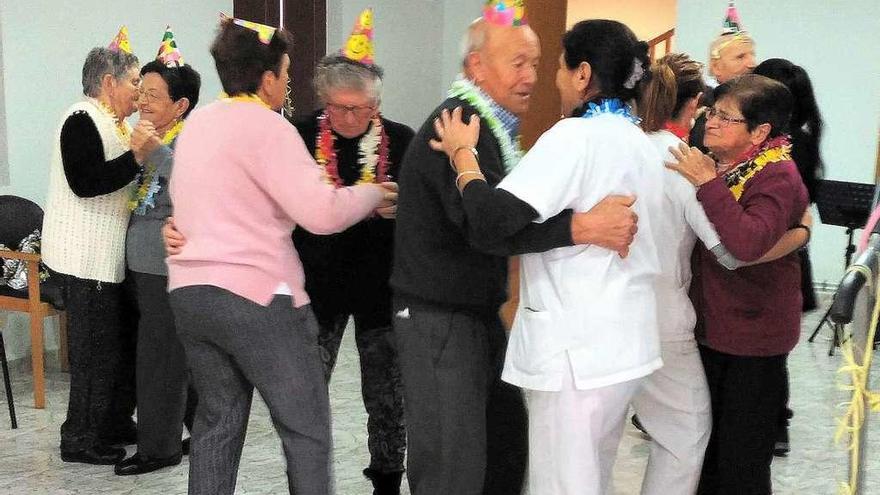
{"x": 144, "y": 140}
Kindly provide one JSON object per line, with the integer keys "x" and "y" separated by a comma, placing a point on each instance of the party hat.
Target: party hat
{"x": 264, "y": 32}
{"x": 359, "y": 46}
{"x": 169, "y": 54}
{"x": 732, "y": 24}
{"x": 120, "y": 42}
{"x": 505, "y": 12}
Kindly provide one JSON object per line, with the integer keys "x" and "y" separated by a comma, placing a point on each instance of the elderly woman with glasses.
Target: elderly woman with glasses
{"x": 347, "y": 273}
{"x": 94, "y": 163}
{"x": 752, "y": 193}
{"x": 168, "y": 94}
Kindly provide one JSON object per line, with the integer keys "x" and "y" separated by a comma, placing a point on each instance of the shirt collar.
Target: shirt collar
{"x": 508, "y": 119}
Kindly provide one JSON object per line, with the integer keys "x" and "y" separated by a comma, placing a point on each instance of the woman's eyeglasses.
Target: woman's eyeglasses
{"x": 342, "y": 110}
{"x": 723, "y": 119}
{"x": 152, "y": 96}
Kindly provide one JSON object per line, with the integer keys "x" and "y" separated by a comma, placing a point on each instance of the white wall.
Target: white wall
{"x": 838, "y": 43}
{"x": 43, "y": 44}
{"x": 417, "y": 43}
{"x": 4, "y": 163}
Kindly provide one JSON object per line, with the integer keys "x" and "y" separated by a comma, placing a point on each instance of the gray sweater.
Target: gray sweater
{"x": 144, "y": 250}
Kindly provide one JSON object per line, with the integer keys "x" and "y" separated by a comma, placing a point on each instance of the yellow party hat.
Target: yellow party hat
{"x": 120, "y": 42}
{"x": 505, "y": 12}
{"x": 169, "y": 54}
{"x": 264, "y": 32}
{"x": 359, "y": 46}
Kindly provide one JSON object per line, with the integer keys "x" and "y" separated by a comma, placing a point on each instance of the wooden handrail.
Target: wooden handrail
{"x": 665, "y": 38}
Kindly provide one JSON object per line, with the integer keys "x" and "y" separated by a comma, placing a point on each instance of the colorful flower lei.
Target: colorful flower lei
{"x": 511, "y": 151}
{"x": 144, "y": 196}
{"x": 372, "y": 151}
{"x": 773, "y": 150}
{"x": 613, "y": 106}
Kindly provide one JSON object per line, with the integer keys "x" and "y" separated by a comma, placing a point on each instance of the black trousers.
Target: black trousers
{"x": 164, "y": 404}
{"x": 466, "y": 429}
{"x": 747, "y": 394}
{"x": 98, "y": 333}
{"x": 381, "y": 387}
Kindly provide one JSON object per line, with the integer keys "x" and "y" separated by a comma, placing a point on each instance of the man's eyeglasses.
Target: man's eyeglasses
{"x": 343, "y": 110}
{"x": 723, "y": 119}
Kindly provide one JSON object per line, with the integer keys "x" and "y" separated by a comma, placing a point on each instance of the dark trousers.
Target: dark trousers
{"x": 747, "y": 393}
{"x": 381, "y": 387}
{"x": 99, "y": 402}
{"x": 163, "y": 403}
{"x": 234, "y": 345}
{"x": 466, "y": 429}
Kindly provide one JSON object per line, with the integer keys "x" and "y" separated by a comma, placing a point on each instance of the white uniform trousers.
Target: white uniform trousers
{"x": 674, "y": 407}
{"x": 574, "y": 435}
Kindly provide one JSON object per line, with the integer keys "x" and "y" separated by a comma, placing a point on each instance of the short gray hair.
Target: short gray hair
{"x": 474, "y": 39}
{"x": 338, "y": 72}
{"x": 102, "y": 61}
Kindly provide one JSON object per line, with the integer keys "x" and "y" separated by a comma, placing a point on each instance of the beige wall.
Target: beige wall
{"x": 647, "y": 18}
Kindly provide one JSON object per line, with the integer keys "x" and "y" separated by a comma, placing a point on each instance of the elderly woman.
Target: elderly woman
{"x": 93, "y": 165}
{"x": 354, "y": 144}
{"x": 752, "y": 315}
{"x": 242, "y": 181}
{"x": 168, "y": 94}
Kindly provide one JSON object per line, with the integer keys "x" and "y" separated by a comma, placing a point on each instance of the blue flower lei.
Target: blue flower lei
{"x": 614, "y": 106}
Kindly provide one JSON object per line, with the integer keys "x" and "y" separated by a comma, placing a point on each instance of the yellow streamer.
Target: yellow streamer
{"x": 854, "y": 418}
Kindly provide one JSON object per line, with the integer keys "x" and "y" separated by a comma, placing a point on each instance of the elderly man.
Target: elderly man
{"x": 466, "y": 430}
{"x": 731, "y": 54}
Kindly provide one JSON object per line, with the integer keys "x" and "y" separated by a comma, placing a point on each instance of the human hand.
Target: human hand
{"x": 610, "y": 224}
{"x": 172, "y": 238}
{"x": 807, "y": 219}
{"x": 144, "y": 140}
{"x": 453, "y": 134}
{"x": 388, "y": 207}
{"x": 692, "y": 164}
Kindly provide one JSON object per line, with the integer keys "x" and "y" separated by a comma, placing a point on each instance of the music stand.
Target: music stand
{"x": 848, "y": 205}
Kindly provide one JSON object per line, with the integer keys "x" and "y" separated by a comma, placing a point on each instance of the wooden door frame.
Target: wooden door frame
{"x": 547, "y": 18}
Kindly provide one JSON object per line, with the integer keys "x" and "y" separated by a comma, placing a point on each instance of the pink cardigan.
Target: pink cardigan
{"x": 242, "y": 180}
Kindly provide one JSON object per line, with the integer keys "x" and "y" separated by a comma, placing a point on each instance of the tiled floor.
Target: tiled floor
{"x": 30, "y": 463}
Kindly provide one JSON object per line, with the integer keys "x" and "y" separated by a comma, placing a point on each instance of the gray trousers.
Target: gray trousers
{"x": 466, "y": 429}
{"x": 233, "y": 345}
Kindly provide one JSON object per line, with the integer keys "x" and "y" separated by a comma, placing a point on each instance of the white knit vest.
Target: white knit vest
{"x": 85, "y": 237}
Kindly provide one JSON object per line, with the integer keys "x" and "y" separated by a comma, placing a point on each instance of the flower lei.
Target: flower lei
{"x": 121, "y": 129}
{"x": 613, "y": 106}
{"x": 144, "y": 196}
{"x": 372, "y": 152}
{"x": 772, "y": 151}
{"x": 511, "y": 151}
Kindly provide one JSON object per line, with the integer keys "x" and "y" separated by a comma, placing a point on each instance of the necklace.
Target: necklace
{"x": 511, "y": 151}
{"x": 372, "y": 153}
{"x": 143, "y": 197}
{"x": 771, "y": 151}
{"x": 613, "y": 106}
{"x": 121, "y": 128}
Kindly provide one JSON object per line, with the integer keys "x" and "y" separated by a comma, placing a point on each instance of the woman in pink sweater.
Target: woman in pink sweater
{"x": 242, "y": 181}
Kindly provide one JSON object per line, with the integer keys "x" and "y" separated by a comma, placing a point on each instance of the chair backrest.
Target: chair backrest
{"x": 18, "y": 218}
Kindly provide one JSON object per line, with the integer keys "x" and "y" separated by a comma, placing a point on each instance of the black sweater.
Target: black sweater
{"x": 442, "y": 256}
{"x": 82, "y": 154}
{"x": 348, "y": 272}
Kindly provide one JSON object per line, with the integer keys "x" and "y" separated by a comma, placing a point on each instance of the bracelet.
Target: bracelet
{"x": 809, "y": 232}
{"x": 468, "y": 172}
{"x": 468, "y": 148}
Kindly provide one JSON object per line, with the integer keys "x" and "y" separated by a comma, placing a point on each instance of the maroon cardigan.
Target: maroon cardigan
{"x": 754, "y": 310}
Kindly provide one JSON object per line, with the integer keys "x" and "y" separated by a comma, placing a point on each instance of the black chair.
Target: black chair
{"x": 19, "y": 217}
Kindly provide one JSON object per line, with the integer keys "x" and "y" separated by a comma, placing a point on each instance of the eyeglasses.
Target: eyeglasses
{"x": 152, "y": 96}
{"x": 342, "y": 110}
{"x": 723, "y": 119}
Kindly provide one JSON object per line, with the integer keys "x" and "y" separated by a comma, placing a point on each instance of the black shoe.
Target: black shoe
{"x": 138, "y": 464}
{"x": 639, "y": 426}
{"x": 125, "y": 435}
{"x": 781, "y": 448}
{"x": 185, "y": 445}
{"x": 99, "y": 454}
{"x": 384, "y": 483}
